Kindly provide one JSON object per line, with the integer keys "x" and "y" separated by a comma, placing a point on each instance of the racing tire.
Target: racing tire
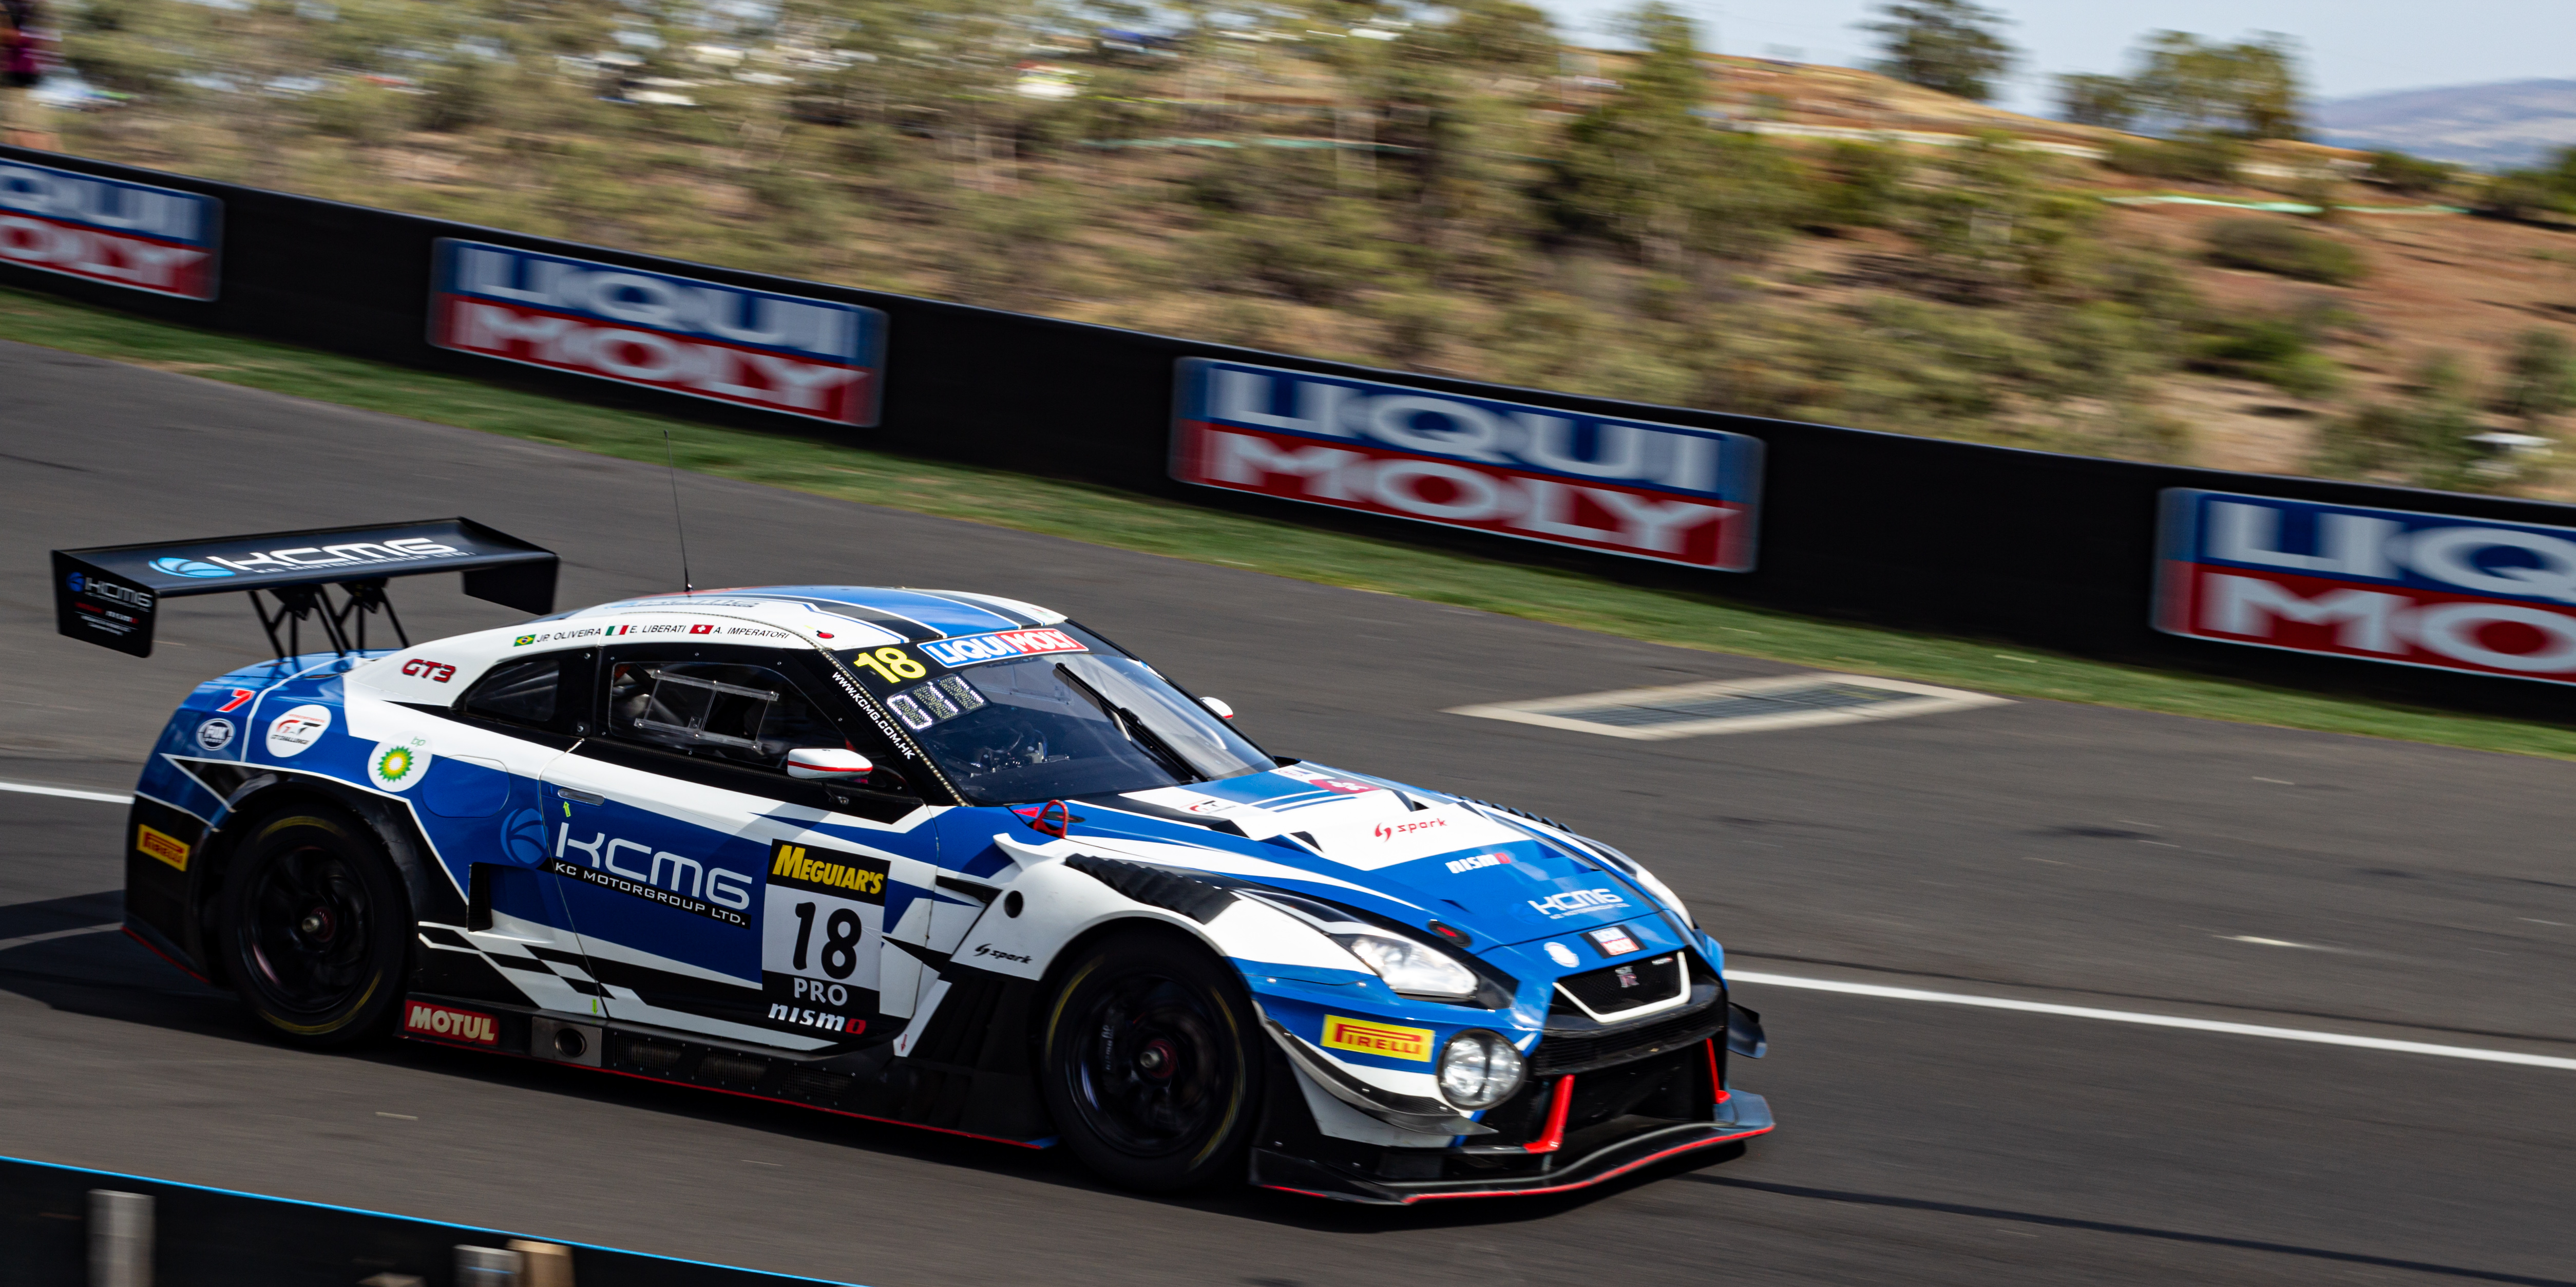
{"x": 1151, "y": 1063}
{"x": 315, "y": 929}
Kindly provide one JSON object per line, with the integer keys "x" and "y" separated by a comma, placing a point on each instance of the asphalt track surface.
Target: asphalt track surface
{"x": 2037, "y": 851}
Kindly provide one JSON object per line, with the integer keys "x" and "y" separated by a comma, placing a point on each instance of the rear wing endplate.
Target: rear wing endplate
{"x": 110, "y": 595}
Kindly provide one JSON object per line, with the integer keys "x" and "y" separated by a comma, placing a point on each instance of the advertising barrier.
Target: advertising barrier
{"x": 816, "y": 358}
{"x": 1637, "y": 488}
{"x": 133, "y": 235}
{"x": 2042, "y": 549}
{"x": 2386, "y": 585}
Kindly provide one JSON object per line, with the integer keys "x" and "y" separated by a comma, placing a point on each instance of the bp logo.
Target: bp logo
{"x": 188, "y": 567}
{"x": 396, "y": 766}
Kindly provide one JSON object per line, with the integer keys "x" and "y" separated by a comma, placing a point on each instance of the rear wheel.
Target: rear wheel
{"x": 314, "y": 927}
{"x": 1151, "y": 1064}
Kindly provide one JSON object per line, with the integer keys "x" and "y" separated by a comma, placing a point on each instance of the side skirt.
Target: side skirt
{"x": 870, "y": 1083}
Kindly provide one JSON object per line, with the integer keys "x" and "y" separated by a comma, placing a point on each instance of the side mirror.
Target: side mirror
{"x": 1222, "y": 710}
{"x": 828, "y": 762}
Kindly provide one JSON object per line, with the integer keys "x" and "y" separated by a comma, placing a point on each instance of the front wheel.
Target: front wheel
{"x": 314, "y": 928}
{"x": 1152, "y": 1067}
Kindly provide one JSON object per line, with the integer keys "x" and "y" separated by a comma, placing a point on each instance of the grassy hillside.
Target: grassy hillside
{"x": 1459, "y": 194}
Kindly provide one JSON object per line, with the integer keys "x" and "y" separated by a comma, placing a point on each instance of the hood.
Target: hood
{"x": 1414, "y": 855}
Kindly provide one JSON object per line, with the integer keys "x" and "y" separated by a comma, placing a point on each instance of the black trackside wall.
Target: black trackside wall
{"x": 2046, "y": 550}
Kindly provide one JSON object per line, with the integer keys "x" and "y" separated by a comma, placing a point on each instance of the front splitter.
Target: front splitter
{"x": 1746, "y": 1114}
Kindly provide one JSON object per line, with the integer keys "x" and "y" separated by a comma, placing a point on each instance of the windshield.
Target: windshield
{"x": 1021, "y": 716}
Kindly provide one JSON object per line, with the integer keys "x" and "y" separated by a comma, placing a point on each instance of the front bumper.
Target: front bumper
{"x": 1742, "y": 1116}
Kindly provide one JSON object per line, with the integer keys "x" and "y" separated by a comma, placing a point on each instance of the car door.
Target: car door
{"x": 523, "y": 713}
{"x": 713, "y": 892}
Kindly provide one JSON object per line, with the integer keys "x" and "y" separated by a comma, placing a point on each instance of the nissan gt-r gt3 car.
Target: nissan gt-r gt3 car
{"x": 930, "y": 857}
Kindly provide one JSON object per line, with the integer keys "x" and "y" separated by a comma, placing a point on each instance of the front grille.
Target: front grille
{"x": 1616, "y": 989}
{"x": 1596, "y": 1050}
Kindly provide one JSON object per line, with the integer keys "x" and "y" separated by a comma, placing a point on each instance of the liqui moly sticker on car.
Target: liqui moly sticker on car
{"x": 134, "y": 235}
{"x": 1654, "y": 491}
{"x": 966, "y": 650}
{"x": 2398, "y": 586}
{"x": 817, "y": 358}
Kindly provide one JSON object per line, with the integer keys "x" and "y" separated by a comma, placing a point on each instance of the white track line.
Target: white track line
{"x": 30, "y": 788}
{"x": 1813, "y": 985}
{"x": 7, "y": 943}
{"x": 2153, "y": 1020}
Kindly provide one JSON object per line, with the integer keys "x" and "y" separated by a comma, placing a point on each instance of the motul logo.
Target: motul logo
{"x": 450, "y": 1025}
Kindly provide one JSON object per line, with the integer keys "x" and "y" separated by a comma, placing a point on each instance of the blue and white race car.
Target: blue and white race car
{"x": 929, "y": 857}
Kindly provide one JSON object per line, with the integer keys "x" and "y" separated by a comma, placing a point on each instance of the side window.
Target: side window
{"x": 523, "y": 691}
{"x": 747, "y": 715}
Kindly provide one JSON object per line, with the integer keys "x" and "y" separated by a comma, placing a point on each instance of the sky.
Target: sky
{"x": 2352, "y": 46}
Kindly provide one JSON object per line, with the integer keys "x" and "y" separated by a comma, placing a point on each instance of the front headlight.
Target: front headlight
{"x": 1479, "y": 1069}
{"x": 1409, "y": 967}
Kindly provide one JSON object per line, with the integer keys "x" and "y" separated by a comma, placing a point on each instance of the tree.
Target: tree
{"x": 2250, "y": 89}
{"x": 1626, "y": 168}
{"x": 1948, "y": 45}
{"x": 2090, "y": 98}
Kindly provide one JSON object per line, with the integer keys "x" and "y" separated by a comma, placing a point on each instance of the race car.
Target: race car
{"x": 930, "y": 857}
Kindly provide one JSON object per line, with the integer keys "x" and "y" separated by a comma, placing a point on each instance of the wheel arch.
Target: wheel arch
{"x": 425, "y": 883}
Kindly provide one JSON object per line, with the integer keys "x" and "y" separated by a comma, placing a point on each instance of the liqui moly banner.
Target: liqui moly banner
{"x": 2385, "y": 585}
{"x": 806, "y": 357}
{"x": 1632, "y": 487}
{"x": 107, "y": 230}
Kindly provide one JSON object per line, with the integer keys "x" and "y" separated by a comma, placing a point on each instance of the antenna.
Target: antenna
{"x": 670, "y": 461}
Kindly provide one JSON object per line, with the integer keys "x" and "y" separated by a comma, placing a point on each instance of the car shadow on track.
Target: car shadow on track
{"x": 2124, "y": 1230}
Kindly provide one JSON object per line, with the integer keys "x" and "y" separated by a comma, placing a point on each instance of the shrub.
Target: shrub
{"x": 360, "y": 112}
{"x": 2422, "y": 438}
{"x": 2268, "y": 246}
{"x": 2540, "y": 377}
{"x": 2193, "y": 159}
{"x": 2277, "y": 351}
{"x": 1858, "y": 185}
{"x": 2411, "y": 174}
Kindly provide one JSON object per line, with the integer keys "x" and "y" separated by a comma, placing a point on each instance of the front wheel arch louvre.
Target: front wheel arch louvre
{"x": 1404, "y": 1112}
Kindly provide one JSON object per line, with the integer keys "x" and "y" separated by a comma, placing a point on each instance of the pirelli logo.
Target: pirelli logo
{"x": 1392, "y": 1041}
{"x": 162, "y": 845}
{"x": 824, "y": 871}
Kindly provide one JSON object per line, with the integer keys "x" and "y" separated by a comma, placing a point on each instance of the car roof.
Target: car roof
{"x": 906, "y": 612}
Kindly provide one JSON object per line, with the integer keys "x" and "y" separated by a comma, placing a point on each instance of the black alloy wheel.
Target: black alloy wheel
{"x": 314, "y": 928}
{"x": 1152, "y": 1066}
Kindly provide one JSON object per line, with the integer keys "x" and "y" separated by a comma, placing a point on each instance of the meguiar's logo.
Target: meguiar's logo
{"x": 851, "y": 876}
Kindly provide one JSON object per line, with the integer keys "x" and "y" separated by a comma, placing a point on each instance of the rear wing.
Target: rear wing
{"x": 110, "y": 595}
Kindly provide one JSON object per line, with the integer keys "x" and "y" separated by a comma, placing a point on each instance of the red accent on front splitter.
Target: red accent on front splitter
{"x": 1553, "y": 1138}
{"x": 1715, "y": 1080}
{"x": 128, "y": 931}
{"x": 1612, "y": 1174}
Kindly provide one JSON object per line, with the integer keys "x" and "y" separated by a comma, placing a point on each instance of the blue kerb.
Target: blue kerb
{"x": 442, "y": 1224}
